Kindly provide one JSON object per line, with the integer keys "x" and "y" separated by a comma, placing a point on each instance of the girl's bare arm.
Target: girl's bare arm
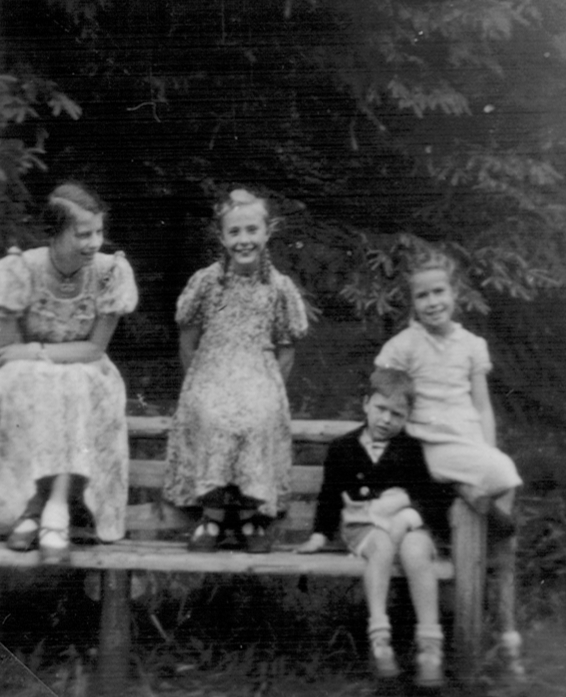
{"x": 66, "y": 352}
{"x": 285, "y": 358}
{"x": 188, "y": 344}
{"x": 482, "y": 402}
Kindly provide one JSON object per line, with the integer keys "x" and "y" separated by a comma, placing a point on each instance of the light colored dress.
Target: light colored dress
{"x": 232, "y": 424}
{"x": 64, "y": 418}
{"x": 444, "y": 417}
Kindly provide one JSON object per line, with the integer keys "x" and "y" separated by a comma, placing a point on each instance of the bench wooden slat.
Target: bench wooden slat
{"x": 311, "y": 430}
{"x": 149, "y": 474}
{"x": 162, "y": 516}
{"x": 173, "y": 557}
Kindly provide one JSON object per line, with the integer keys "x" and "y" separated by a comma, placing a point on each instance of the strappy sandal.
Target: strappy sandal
{"x": 24, "y": 540}
{"x": 54, "y": 553}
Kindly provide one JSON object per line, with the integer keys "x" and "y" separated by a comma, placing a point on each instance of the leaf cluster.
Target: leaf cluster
{"x": 24, "y": 99}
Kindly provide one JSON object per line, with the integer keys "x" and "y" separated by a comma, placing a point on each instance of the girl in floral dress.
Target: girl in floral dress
{"x": 63, "y": 431}
{"x": 230, "y": 444}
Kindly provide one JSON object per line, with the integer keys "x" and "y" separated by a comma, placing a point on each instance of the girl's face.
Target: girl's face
{"x": 80, "y": 241}
{"x": 434, "y": 300}
{"x": 244, "y": 235}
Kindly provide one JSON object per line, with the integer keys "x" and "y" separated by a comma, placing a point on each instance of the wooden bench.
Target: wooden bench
{"x": 149, "y": 518}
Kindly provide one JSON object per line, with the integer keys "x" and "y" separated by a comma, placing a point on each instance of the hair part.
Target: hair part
{"x": 391, "y": 382}
{"x": 62, "y": 202}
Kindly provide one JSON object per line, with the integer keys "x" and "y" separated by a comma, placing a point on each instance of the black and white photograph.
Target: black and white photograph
{"x": 282, "y": 348}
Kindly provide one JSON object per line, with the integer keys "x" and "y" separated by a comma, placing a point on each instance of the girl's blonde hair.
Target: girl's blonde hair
{"x": 434, "y": 260}
{"x": 238, "y": 198}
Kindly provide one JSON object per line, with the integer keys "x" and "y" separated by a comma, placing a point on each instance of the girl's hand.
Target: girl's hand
{"x": 314, "y": 544}
{"x": 19, "y": 352}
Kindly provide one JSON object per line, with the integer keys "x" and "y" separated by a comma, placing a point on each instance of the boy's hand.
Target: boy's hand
{"x": 314, "y": 544}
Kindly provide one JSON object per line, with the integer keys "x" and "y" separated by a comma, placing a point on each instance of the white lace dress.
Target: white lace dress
{"x": 64, "y": 418}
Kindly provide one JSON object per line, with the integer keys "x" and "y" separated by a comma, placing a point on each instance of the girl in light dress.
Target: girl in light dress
{"x": 229, "y": 450}
{"x": 453, "y": 418}
{"x": 63, "y": 431}
{"x": 452, "y": 415}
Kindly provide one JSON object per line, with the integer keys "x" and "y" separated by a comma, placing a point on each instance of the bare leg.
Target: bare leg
{"x": 417, "y": 554}
{"x": 379, "y": 552}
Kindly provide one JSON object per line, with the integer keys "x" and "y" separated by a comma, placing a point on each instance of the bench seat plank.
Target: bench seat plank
{"x": 311, "y": 430}
{"x": 173, "y": 557}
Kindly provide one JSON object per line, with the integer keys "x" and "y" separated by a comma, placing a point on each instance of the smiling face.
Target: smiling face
{"x": 78, "y": 243}
{"x": 244, "y": 234}
{"x": 434, "y": 300}
{"x": 385, "y": 416}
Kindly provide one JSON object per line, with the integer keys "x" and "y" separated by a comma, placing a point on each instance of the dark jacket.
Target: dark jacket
{"x": 349, "y": 468}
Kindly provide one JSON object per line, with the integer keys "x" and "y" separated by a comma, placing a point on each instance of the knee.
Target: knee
{"x": 378, "y": 545}
{"x": 416, "y": 550}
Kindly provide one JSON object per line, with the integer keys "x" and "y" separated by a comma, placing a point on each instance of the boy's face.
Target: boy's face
{"x": 385, "y": 416}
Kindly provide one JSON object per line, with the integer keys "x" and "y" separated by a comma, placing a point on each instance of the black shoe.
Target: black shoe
{"x": 202, "y": 540}
{"x": 260, "y": 540}
{"x": 500, "y": 525}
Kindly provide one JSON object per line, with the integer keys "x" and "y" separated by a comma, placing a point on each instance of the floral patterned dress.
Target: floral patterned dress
{"x": 64, "y": 418}
{"x": 232, "y": 424}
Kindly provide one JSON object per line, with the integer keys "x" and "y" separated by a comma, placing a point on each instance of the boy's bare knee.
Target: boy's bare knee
{"x": 378, "y": 543}
{"x": 417, "y": 548}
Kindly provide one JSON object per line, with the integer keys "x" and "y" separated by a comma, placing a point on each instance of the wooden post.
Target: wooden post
{"x": 114, "y": 646}
{"x": 469, "y": 535}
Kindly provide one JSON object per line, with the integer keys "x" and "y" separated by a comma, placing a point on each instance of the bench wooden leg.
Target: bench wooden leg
{"x": 469, "y": 535}
{"x": 114, "y": 646}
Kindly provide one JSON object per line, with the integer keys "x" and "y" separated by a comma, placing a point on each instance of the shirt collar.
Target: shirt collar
{"x": 374, "y": 448}
{"x": 453, "y": 336}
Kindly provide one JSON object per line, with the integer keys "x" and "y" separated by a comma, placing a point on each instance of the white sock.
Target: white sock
{"x": 55, "y": 522}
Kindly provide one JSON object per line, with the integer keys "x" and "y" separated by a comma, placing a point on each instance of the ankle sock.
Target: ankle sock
{"x": 55, "y": 524}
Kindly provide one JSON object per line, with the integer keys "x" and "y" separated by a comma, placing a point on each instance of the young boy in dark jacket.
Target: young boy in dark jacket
{"x": 378, "y": 492}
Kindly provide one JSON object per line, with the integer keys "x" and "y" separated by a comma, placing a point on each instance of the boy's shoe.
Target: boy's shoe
{"x": 383, "y": 656}
{"x": 430, "y": 672}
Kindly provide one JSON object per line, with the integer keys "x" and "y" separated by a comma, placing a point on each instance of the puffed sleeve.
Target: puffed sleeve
{"x": 15, "y": 284}
{"x": 291, "y": 321}
{"x": 481, "y": 362}
{"x": 394, "y": 353}
{"x": 191, "y": 304}
{"x": 118, "y": 293}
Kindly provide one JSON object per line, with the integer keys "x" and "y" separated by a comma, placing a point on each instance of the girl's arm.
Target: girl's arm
{"x": 482, "y": 402}
{"x": 285, "y": 357}
{"x": 66, "y": 352}
{"x": 188, "y": 344}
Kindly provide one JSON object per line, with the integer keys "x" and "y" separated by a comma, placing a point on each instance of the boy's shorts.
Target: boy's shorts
{"x": 356, "y": 536}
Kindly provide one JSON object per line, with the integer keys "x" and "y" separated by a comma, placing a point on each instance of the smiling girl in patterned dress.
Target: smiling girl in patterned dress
{"x": 230, "y": 444}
